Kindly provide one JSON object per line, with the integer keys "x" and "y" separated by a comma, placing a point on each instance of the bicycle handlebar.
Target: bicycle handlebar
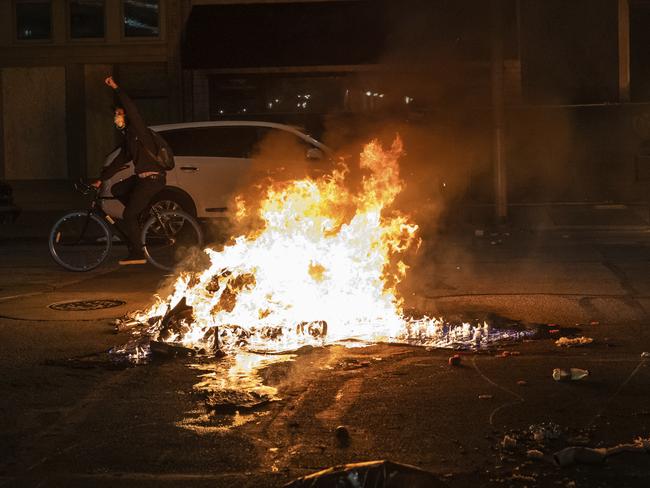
{"x": 85, "y": 188}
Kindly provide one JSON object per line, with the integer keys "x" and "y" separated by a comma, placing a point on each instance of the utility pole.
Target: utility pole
{"x": 498, "y": 129}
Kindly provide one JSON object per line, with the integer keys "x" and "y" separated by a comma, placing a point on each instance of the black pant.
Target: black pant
{"x": 136, "y": 194}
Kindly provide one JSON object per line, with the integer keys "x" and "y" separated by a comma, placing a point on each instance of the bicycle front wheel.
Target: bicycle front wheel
{"x": 80, "y": 241}
{"x": 169, "y": 237}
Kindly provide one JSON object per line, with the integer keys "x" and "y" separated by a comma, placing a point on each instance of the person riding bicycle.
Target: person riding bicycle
{"x": 135, "y": 192}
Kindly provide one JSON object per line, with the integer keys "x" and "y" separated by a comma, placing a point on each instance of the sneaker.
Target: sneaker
{"x": 133, "y": 258}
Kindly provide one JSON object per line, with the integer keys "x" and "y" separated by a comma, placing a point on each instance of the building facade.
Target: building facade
{"x": 565, "y": 81}
{"x": 56, "y": 113}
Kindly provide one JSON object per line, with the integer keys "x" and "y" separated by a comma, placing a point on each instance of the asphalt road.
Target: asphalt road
{"x": 71, "y": 417}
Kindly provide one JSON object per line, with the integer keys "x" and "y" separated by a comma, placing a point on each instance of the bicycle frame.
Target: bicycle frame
{"x": 96, "y": 209}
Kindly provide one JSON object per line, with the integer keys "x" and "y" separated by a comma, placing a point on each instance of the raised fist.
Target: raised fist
{"x": 111, "y": 82}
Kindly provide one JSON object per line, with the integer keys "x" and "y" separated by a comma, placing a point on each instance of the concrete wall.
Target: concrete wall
{"x": 576, "y": 154}
{"x": 34, "y": 123}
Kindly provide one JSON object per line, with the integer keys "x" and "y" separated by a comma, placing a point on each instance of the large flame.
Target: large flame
{"x": 323, "y": 267}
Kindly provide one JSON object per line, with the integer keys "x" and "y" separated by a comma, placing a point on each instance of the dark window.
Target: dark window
{"x": 224, "y": 142}
{"x": 639, "y": 53}
{"x": 33, "y": 19}
{"x": 86, "y": 18}
{"x": 141, "y": 18}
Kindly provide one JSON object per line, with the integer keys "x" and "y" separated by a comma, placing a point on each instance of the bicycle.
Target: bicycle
{"x": 81, "y": 240}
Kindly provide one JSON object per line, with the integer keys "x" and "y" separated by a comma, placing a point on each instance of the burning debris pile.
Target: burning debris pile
{"x": 323, "y": 267}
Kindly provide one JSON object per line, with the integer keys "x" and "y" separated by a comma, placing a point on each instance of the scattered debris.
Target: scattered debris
{"x": 159, "y": 348}
{"x": 485, "y": 397}
{"x": 342, "y": 435}
{"x": 581, "y": 455}
{"x": 123, "y": 325}
{"x": 587, "y": 455}
{"x": 508, "y": 442}
{"x": 573, "y": 341}
{"x": 534, "y": 454}
{"x": 372, "y": 474}
{"x": 522, "y": 477}
{"x": 454, "y": 360}
{"x": 544, "y": 432}
{"x": 571, "y": 374}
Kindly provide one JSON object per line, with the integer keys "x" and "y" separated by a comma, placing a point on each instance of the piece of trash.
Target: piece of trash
{"x": 123, "y": 325}
{"x": 485, "y": 397}
{"x": 508, "y": 442}
{"x": 645, "y": 354}
{"x": 545, "y": 431}
{"x": 479, "y": 232}
{"x": 522, "y": 477}
{"x": 580, "y": 455}
{"x": 534, "y": 454}
{"x": 573, "y": 341}
{"x": 342, "y": 435}
{"x": 454, "y": 360}
{"x": 159, "y": 348}
{"x": 522, "y": 383}
{"x": 372, "y": 474}
{"x": 571, "y": 374}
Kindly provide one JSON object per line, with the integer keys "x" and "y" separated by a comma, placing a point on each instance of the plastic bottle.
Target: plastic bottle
{"x": 571, "y": 374}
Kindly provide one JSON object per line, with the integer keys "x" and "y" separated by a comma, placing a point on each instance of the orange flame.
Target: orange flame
{"x": 322, "y": 268}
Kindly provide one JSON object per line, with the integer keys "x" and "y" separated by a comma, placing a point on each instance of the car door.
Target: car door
{"x": 210, "y": 163}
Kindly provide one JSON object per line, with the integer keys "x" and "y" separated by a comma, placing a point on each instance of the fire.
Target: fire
{"x": 322, "y": 268}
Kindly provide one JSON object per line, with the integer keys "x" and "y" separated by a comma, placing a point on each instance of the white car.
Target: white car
{"x": 212, "y": 161}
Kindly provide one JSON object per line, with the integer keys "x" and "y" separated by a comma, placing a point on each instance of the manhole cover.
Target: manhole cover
{"x": 83, "y": 305}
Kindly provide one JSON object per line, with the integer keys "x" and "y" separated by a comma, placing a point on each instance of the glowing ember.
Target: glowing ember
{"x": 322, "y": 268}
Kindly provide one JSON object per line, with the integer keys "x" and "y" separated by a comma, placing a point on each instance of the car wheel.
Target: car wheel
{"x": 170, "y": 200}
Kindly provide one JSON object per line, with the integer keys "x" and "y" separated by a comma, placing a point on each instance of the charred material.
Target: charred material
{"x": 167, "y": 349}
{"x": 316, "y": 329}
{"x": 175, "y": 319}
{"x": 234, "y": 285}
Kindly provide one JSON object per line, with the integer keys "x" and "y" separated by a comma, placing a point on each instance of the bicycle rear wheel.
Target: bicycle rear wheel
{"x": 80, "y": 241}
{"x": 169, "y": 236}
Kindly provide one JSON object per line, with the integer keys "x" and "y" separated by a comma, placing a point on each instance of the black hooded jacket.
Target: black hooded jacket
{"x": 138, "y": 145}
